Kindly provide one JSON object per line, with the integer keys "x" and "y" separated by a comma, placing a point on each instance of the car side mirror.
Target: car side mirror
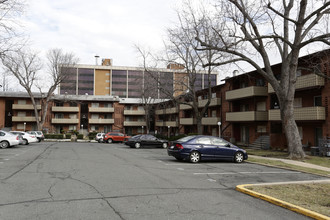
{"x": 228, "y": 145}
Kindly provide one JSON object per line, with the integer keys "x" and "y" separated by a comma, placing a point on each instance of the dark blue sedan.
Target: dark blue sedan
{"x": 201, "y": 147}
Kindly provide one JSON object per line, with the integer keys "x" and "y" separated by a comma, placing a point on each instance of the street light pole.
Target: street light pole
{"x": 219, "y": 124}
{"x": 168, "y": 131}
{"x": 142, "y": 129}
{"x": 24, "y": 125}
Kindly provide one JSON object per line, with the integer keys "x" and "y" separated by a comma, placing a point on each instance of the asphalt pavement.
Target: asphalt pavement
{"x": 64, "y": 180}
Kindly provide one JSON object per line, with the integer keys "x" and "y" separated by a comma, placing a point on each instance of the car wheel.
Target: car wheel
{"x": 239, "y": 157}
{"x": 39, "y": 139}
{"x": 109, "y": 141}
{"x": 100, "y": 140}
{"x": 4, "y": 144}
{"x": 195, "y": 157}
{"x": 137, "y": 145}
{"x": 25, "y": 142}
{"x": 164, "y": 145}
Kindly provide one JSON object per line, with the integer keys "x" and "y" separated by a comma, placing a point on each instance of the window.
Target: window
{"x": 261, "y": 106}
{"x": 73, "y": 116}
{"x": 2, "y": 134}
{"x": 218, "y": 141}
{"x": 214, "y": 113}
{"x": 21, "y": 114}
{"x": 72, "y": 127}
{"x": 203, "y": 140}
{"x": 298, "y": 73}
{"x": 244, "y": 108}
{"x": 59, "y": 115}
{"x": 58, "y": 103}
{"x": 95, "y": 105}
{"x": 108, "y": 105}
{"x": 214, "y": 95}
{"x": 95, "y": 116}
{"x": 297, "y": 103}
{"x": 261, "y": 129}
{"x": 107, "y": 116}
{"x": 21, "y": 102}
{"x": 260, "y": 82}
{"x": 317, "y": 100}
{"x": 73, "y": 104}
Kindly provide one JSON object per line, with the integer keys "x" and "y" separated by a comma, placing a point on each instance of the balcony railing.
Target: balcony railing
{"x": 210, "y": 121}
{"x": 300, "y": 114}
{"x": 101, "y": 110}
{"x": 24, "y": 119}
{"x": 24, "y": 107}
{"x": 167, "y": 123}
{"x": 167, "y": 111}
{"x": 247, "y": 116}
{"x": 65, "y": 109}
{"x": 65, "y": 121}
{"x": 135, "y": 123}
{"x": 186, "y": 121}
{"x": 201, "y": 103}
{"x": 246, "y": 92}
{"x": 134, "y": 112}
{"x": 101, "y": 121}
{"x": 306, "y": 81}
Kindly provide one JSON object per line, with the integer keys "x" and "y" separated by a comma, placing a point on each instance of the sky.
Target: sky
{"x": 109, "y": 29}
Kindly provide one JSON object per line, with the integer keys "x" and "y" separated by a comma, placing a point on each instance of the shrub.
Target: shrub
{"x": 53, "y": 136}
{"x": 68, "y": 136}
{"x": 80, "y": 136}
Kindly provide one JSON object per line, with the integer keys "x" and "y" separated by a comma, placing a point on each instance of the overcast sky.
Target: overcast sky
{"x": 109, "y": 29}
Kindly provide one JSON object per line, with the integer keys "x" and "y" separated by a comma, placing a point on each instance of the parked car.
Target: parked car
{"x": 201, "y": 147}
{"x": 99, "y": 137}
{"x": 145, "y": 141}
{"x": 27, "y": 138}
{"x": 39, "y": 135}
{"x": 115, "y": 137}
{"x": 8, "y": 139}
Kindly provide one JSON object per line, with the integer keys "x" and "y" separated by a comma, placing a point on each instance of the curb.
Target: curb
{"x": 295, "y": 208}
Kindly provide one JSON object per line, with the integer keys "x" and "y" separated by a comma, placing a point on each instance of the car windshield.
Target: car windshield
{"x": 136, "y": 136}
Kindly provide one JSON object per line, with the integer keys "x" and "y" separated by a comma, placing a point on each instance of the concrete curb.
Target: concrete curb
{"x": 298, "y": 209}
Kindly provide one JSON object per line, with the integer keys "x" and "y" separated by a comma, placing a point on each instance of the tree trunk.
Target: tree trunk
{"x": 291, "y": 131}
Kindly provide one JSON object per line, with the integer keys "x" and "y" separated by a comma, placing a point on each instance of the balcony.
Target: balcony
{"x": 24, "y": 119}
{"x": 214, "y": 102}
{"x": 167, "y": 111}
{"x": 186, "y": 121}
{"x": 210, "y": 121}
{"x": 246, "y": 92}
{"x": 303, "y": 82}
{"x": 64, "y": 109}
{"x": 185, "y": 107}
{"x": 65, "y": 121}
{"x": 101, "y": 110}
{"x": 135, "y": 123}
{"x": 167, "y": 123}
{"x": 101, "y": 121}
{"x": 316, "y": 113}
{"x": 134, "y": 112}
{"x": 24, "y": 107}
{"x": 247, "y": 116}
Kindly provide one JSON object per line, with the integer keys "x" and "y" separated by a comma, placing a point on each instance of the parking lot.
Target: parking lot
{"x": 53, "y": 180}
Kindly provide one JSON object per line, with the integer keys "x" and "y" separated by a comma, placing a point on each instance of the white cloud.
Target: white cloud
{"x": 107, "y": 28}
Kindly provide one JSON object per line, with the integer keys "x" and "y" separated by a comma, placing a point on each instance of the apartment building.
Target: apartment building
{"x": 129, "y": 82}
{"x": 249, "y": 111}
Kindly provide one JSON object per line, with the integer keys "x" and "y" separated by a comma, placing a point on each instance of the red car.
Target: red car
{"x": 115, "y": 137}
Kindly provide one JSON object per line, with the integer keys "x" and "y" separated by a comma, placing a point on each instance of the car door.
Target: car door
{"x": 205, "y": 147}
{"x": 144, "y": 140}
{"x": 223, "y": 149}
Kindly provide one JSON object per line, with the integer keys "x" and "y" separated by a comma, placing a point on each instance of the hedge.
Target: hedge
{"x": 53, "y": 136}
{"x": 80, "y": 136}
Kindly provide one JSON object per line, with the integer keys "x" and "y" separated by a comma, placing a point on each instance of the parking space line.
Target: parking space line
{"x": 180, "y": 168}
{"x": 211, "y": 180}
{"x": 232, "y": 173}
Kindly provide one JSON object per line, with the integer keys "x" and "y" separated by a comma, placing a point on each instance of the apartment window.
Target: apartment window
{"x": 21, "y": 102}
{"x": 298, "y": 73}
{"x": 260, "y": 82}
{"x": 94, "y": 127}
{"x": 243, "y": 85}
{"x": 20, "y": 126}
{"x": 95, "y": 105}
{"x": 140, "y": 108}
{"x": 261, "y": 129}
{"x": 95, "y": 116}
{"x": 261, "y": 106}
{"x": 244, "y": 108}
{"x": 72, "y": 127}
{"x": 73, "y": 104}
{"x": 108, "y": 105}
{"x": 21, "y": 114}
{"x": 317, "y": 100}
{"x": 58, "y": 103}
{"x": 214, "y": 95}
{"x": 59, "y": 115}
{"x": 297, "y": 102}
{"x": 214, "y": 113}
{"x": 300, "y": 129}
{"x": 73, "y": 116}
{"x": 107, "y": 116}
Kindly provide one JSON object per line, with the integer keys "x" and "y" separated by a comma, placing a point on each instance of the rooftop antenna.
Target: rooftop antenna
{"x": 96, "y": 59}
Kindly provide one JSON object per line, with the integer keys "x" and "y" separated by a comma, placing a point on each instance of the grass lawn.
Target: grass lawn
{"x": 315, "y": 197}
{"x": 321, "y": 161}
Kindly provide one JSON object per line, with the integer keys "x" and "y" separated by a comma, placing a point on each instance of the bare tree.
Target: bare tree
{"x": 253, "y": 30}
{"x": 181, "y": 52}
{"x": 24, "y": 65}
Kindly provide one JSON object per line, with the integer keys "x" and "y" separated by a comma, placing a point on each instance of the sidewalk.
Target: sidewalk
{"x": 294, "y": 162}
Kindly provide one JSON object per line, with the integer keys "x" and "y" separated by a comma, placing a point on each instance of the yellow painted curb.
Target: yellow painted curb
{"x": 281, "y": 203}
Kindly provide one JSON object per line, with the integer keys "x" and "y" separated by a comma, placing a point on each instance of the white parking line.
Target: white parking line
{"x": 232, "y": 173}
{"x": 211, "y": 180}
{"x": 180, "y": 169}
